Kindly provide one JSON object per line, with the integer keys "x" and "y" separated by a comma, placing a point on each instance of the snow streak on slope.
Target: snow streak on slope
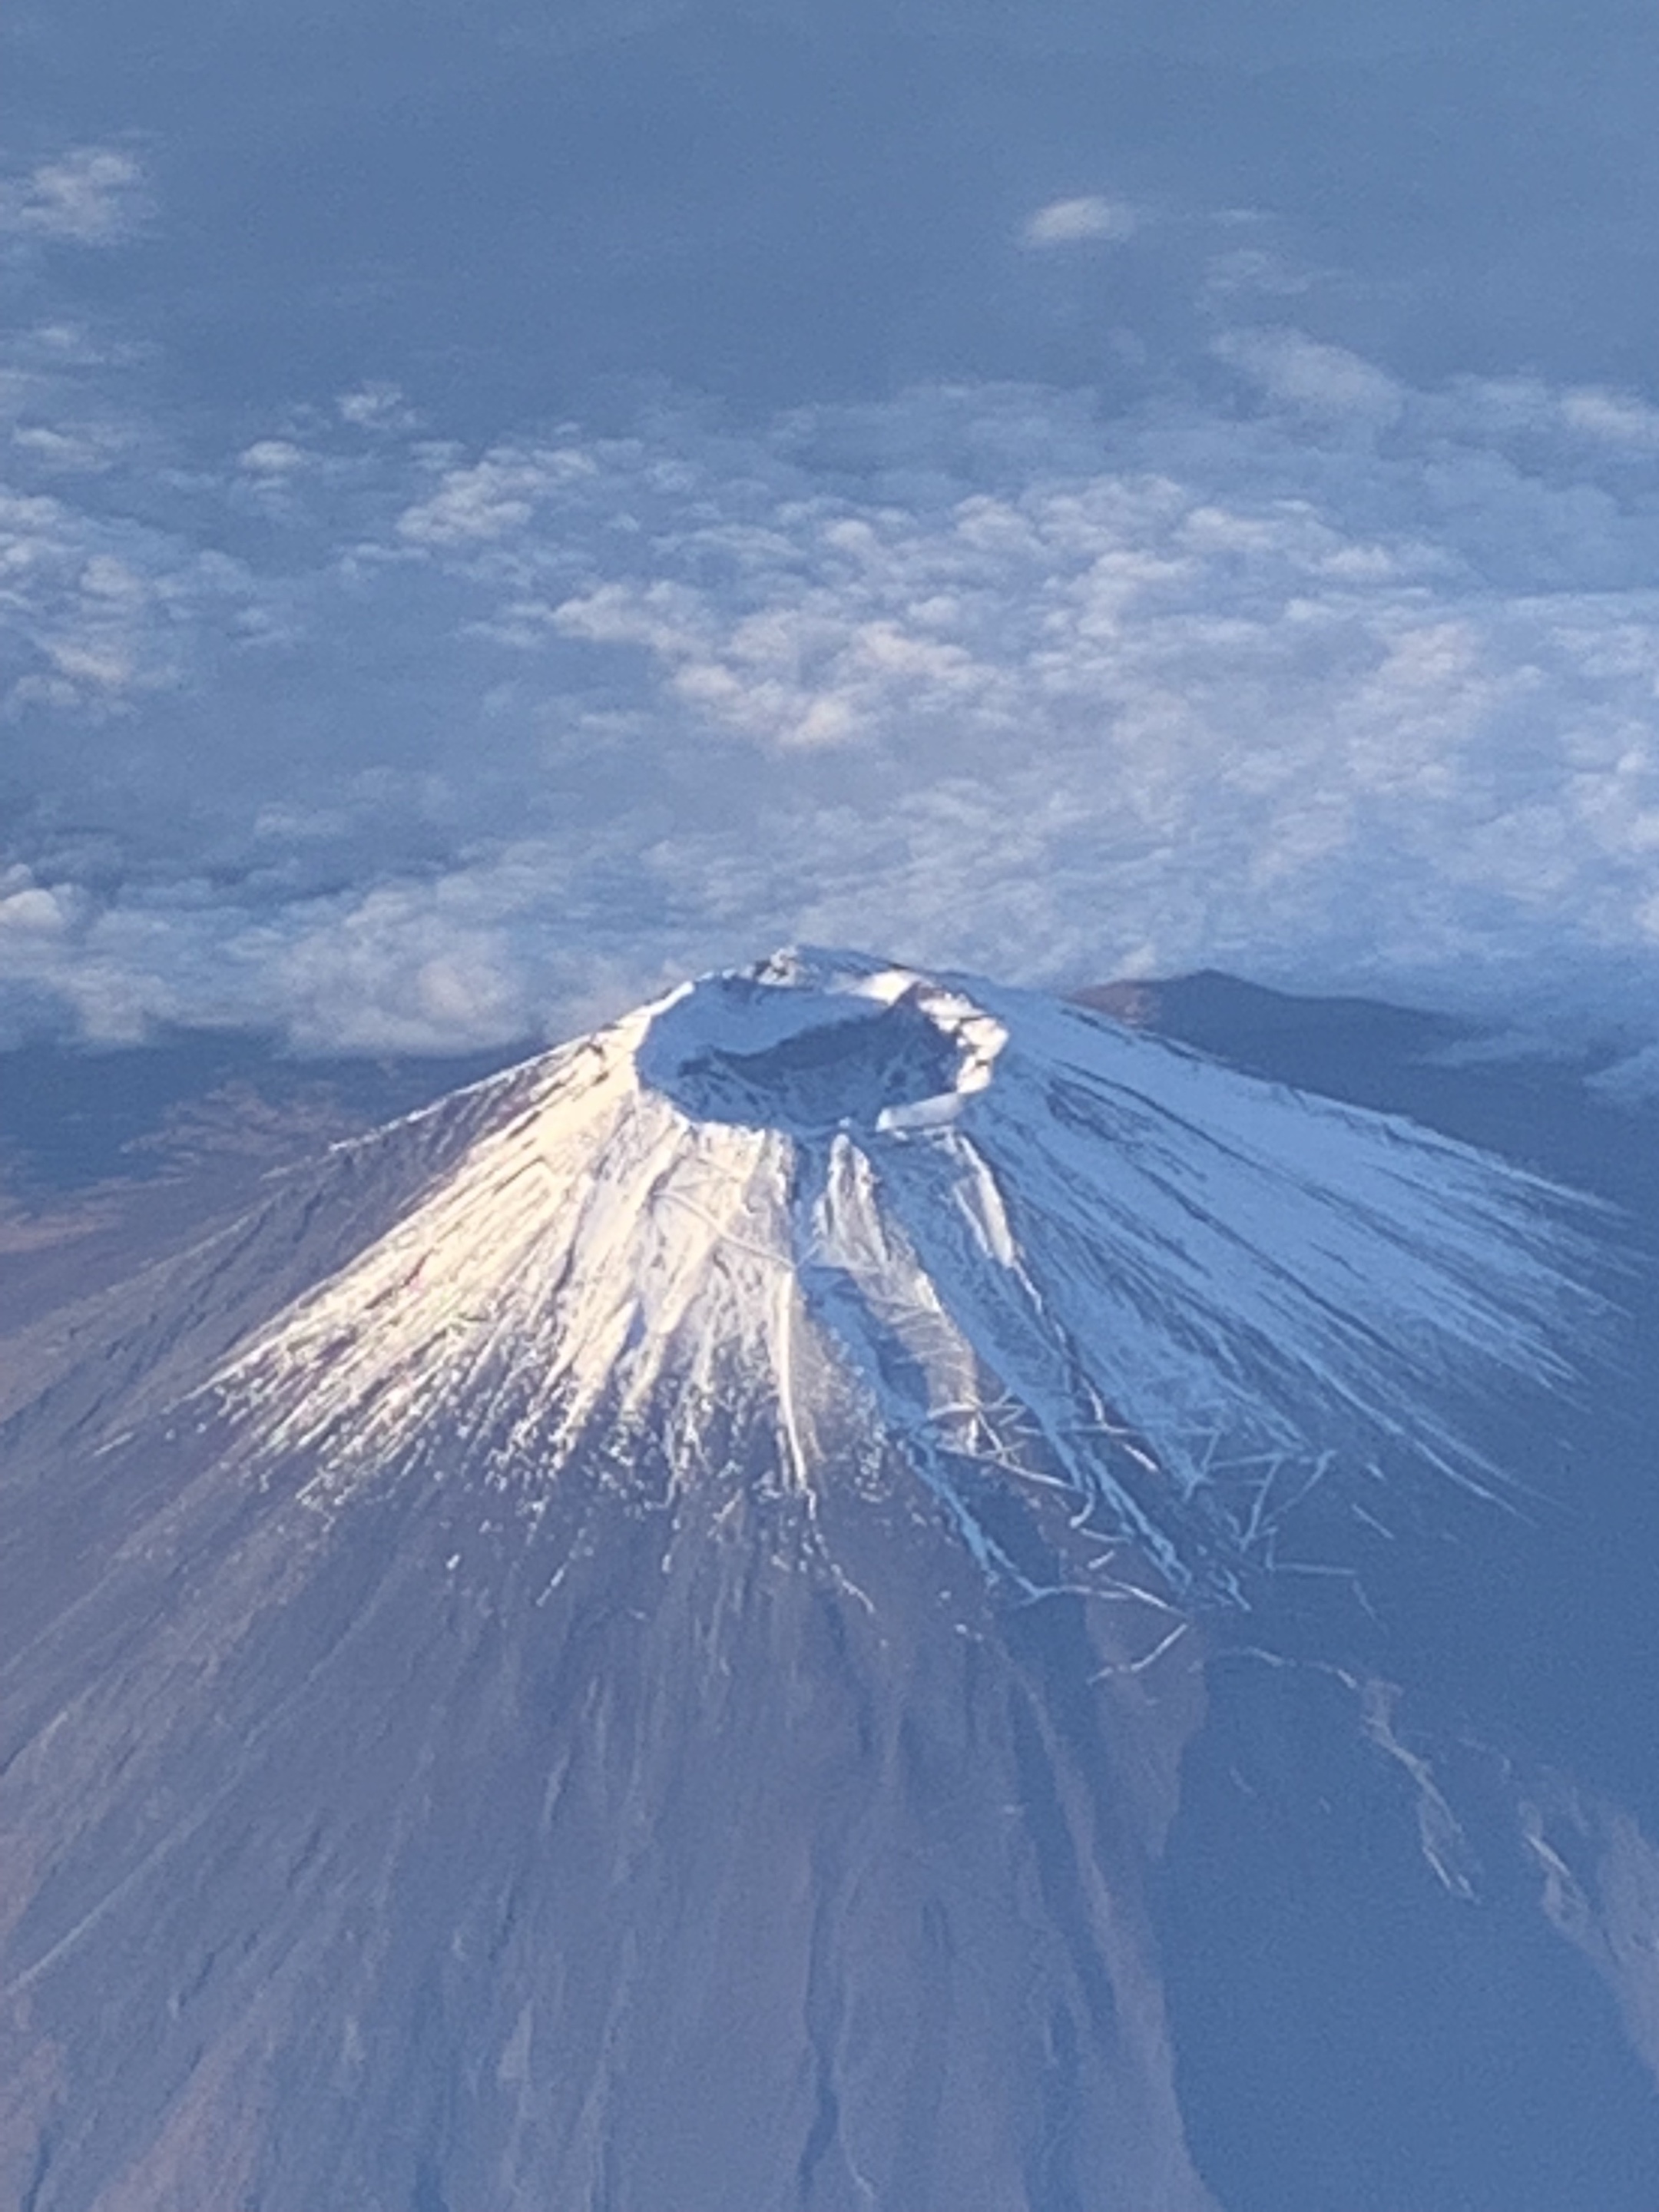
{"x": 830, "y": 1204}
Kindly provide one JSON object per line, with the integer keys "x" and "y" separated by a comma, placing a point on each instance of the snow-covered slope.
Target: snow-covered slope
{"x": 1026, "y": 1242}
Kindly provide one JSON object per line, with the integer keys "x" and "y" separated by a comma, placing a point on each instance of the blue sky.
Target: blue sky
{"x": 502, "y": 506}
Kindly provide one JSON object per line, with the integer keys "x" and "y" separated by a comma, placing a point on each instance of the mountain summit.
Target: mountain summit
{"x": 631, "y": 1641}
{"x": 831, "y": 1204}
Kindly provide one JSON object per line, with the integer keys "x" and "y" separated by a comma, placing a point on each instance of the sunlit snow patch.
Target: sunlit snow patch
{"x": 1026, "y": 1245}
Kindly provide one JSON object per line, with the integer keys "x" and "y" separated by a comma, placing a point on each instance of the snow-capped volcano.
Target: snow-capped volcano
{"x": 829, "y": 1205}
{"x": 638, "y": 1639}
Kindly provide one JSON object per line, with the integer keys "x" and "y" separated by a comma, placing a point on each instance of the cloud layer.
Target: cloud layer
{"x": 382, "y": 738}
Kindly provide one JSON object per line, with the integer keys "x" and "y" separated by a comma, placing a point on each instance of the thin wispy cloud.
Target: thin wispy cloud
{"x": 1081, "y": 222}
{"x": 1614, "y": 417}
{"x": 271, "y": 457}
{"x": 1316, "y": 379}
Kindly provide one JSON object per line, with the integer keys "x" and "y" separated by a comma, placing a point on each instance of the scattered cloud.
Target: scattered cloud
{"x": 377, "y": 406}
{"x": 490, "y": 499}
{"x": 95, "y": 613}
{"x": 91, "y": 196}
{"x": 1617, "y": 416}
{"x": 68, "y": 448}
{"x": 1081, "y": 222}
{"x": 271, "y": 457}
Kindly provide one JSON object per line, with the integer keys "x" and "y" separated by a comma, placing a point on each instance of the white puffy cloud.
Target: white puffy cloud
{"x": 30, "y": 913}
